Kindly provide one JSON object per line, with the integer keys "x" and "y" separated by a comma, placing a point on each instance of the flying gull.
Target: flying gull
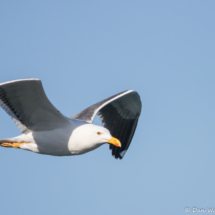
{"x": 47, "y": 131}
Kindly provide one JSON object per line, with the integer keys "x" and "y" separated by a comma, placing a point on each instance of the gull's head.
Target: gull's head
{"x": 102, "y": 135}
{"x": 88, "y": 137}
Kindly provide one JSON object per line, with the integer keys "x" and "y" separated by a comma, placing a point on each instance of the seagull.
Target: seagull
{"x": 45, "y": 130}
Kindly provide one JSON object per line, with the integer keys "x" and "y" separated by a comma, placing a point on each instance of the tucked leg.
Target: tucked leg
{"x": 14, "y": 145}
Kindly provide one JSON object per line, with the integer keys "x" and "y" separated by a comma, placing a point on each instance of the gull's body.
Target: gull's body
{"x": 47, "y": 131}
{"x": 59, "y": 142}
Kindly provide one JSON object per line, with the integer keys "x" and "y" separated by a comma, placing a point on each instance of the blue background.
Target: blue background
{"x": 86, "y": 51}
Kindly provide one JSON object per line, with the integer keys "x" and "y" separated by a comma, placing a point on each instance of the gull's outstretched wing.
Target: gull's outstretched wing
{"x": 119, "y": 114}
{"x": 27, "y": 104}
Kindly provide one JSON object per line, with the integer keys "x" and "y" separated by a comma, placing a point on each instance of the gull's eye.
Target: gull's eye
{"x": 99, "y": 133}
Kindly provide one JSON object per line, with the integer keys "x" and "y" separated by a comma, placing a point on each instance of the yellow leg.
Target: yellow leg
{"x": 14, "y": 145}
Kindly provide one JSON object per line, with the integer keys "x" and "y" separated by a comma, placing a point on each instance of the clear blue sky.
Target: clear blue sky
{"x": 86, "y": 51}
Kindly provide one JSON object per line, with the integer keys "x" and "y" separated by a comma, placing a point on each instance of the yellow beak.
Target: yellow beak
{"x": 114, "y": 141}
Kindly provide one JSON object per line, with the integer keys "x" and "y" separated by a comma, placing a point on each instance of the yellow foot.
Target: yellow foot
{"x": 14, "y": 145}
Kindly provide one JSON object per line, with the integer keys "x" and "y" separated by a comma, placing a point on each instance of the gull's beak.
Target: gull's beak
{"x": 114, "y": 141}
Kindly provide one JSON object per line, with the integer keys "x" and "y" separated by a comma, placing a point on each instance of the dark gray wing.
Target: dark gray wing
{"x": 27, "y": 104}
{"x": 119, "y": 114}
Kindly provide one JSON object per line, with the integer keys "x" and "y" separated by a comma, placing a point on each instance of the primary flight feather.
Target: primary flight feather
{"x": 47, "y": 131}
